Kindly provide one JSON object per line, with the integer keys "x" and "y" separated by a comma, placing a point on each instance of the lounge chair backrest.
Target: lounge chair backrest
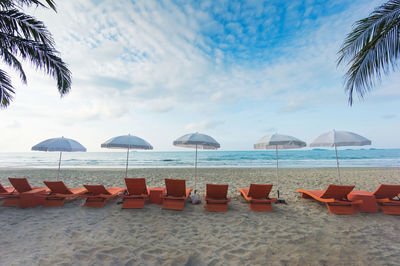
{"x": 175, "y": 187}
{"x": 2, "y": 189}
{"x": 259, "y": 191}
{"x": 337, "y": 192}
{"x": 20, "y": 184}
{"x": 57, "y": 187}
{"x": 136, "y": 186}
{"x": 387, "y": 191}
{"x": 97, "y": 189}
{"x": 217, "y": 191}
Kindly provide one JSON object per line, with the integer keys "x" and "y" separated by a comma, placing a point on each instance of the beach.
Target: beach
{"x": 303, "y": 232}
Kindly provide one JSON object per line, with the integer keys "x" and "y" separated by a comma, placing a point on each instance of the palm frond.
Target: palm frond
{"x": 42, "y": 56}
{"x": 12, "y": 61}
{"x": 14, "y": 22}
{"x": 6, "y": 89}
{"x": 371, "y": 49}
{"x": 8, "y": 4}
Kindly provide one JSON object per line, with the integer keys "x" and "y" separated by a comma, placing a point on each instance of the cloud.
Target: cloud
{"x": 164, "y": 63}
{"x": 14, "y": 125}
{"x": 203, "y": 125}
{"x": 297, "y": 103}
{"x": 142, "y": 52}
{"x": 389, "y": 116}
{"x": 97, "y": 111}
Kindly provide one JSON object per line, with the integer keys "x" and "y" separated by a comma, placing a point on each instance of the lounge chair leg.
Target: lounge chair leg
{"x": 177, "y": 205}
{"x": 95, "y": 203}
{"x": 390, "y": 209}
{"x": 53, "y": 202}
{"x": 11, "y": 202}
{"x": 341, "y": 209}
{"x": 133, "y": 204}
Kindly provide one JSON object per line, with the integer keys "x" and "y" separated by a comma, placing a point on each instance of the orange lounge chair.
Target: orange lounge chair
{"x": 59, "y": 193}
{"x": 137, "y": 193}
{"x": 5, "y": 191}
{"x": 258, "y": 197}
{"x": 24, "y": 195}
{"x": 385, "y": 197}
{"x": 176, "y": 194}
{"x": 97, "y": 195}
{"x": 216, "y": 198}
{"x": 335, "y": 198}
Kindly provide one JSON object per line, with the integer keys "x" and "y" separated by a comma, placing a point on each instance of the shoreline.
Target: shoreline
{"x": 191, "y": 167}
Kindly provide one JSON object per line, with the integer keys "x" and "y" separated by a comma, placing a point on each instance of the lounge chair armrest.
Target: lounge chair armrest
{"x": 218, "y": 200}
{"x": 58, "y": 195}
{"x": 133, "y": 196}
{"x": 34, "y": 191}
{"x": 356, "y": 202}
{"x": 174, "y": 198}
{"x": 327, "y": 200}
{"x": 263, "y": 200}
{"x": 389, "y": 201}
{"x": 98, "y": 196}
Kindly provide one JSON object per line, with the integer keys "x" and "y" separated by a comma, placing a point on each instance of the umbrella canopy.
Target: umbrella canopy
{"x": 338, "y": 139}
{"x": 127, "y": 142}
{"x": 278, "y": 141}
{"x": 196, "y": 141}
{"x": 60, "y": 145}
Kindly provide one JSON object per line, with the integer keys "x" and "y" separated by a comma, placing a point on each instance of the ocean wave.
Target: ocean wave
{"x": 287, "y": 159}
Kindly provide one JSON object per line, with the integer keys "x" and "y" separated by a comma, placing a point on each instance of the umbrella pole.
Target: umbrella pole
{"x": 127, "y": 159}
{"x": 277, "y": 164}
{"x": 195, "y": 172}
{"x": 337, "y": 165}
{"x": 59, "y": 165}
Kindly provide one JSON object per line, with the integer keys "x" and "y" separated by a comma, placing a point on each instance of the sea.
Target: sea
{"x": 315, "y": 158}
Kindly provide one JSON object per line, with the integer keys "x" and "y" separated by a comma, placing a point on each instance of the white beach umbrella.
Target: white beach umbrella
{"x": 197, "y": 141}
{"x": 278, "y": 141}
{"x": 127, "y": 142}
{"x": 61, "y": 145}
{"x": 337, "y": 139}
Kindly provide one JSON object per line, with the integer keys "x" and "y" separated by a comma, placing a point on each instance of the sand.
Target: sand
{"x": 301, "y": 232}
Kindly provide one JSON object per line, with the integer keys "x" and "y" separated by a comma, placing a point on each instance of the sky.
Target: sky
{"x": 235, "y": 70}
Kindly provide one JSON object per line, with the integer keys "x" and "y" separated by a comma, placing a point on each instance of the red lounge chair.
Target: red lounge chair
{"x": 216, "y": 198}
{"x": 137, "y": 193}
{"x": 59, "y": 193}
{"x": 335, "y": 198}
{"x": 176, "y": 194}
{"x": 24, "y": 195}
{"x": 385, "y": 197}
{"x": 5, "y": 191}
{"x": 97, "y": 195}
{"x": 258, "y": 197}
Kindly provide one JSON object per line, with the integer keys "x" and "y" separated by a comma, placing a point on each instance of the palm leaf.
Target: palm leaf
{"x": 371, "y": 49}
{"x": 8, "y": 4}
{"x": 12, "y": 61}
{"x": 6, "y": 89}
{"x": 42, "y": 56}
{"x": 14, "y": 22}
